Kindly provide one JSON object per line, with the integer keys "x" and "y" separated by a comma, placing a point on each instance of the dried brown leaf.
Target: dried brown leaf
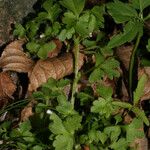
{"x": 27, "y": 111}
{"x": 57, "y": 50}
{"x": 86, "y": 147}
{"x": 55, "y": 68}
{"x": 140, "y": 144}
{"x": 141, "y": 71}
{"x": 7, "y": 88}
{"x": 14, "y": 59}
{"x": 124, "y": 53}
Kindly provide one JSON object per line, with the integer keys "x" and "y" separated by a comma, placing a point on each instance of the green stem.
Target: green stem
{"x": 76, "y": 77}
{"x": 131, "y": 67}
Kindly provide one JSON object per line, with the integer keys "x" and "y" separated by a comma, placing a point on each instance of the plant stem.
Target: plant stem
{"x": 76, "y": 75}
{"x": 131, "y": 67}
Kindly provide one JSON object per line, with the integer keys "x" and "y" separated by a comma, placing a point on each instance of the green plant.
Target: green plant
{"x": 90, "y": 116}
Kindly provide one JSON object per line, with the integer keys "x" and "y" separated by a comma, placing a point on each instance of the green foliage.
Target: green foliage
{"x": 94, "y": 117}
{"x": 133, "y": 130}
{"x": 141, "y": 5}
{"x": 148, "y": 45}
{"x": 125, "y": 11}
{"x": 137, "y": 95}
{"x": 129, "y": 15}
{"x": 75, "y": 6}
{"x": 45, "y": 49}
{"x": 104, "y": 67}
{"x": 131, "y": 30}
{"x": 140, "y": 89}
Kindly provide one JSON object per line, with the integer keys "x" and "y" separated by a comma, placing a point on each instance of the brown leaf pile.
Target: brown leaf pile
{"x": 7, "y": 88}
{"x": 55, "y": 68}
{"x": 13, "y": 58}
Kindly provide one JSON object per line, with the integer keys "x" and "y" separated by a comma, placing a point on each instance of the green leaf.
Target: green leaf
{"x": 99, "y": 59}
{"x": 104, "y": 67}
{"x": 45, "y": 49}
{"x": 121, "y": 12}
{"x": 138, "y": 93}
{"x": 141, "y": 114}
{"x": 76, "y": 6}
{"x": 63, "y": 82}
{"x": 52, "y": 9}
{"x": 22, "y": 146}
{"x": 105, "y": 92}
{"x": 103, "y": 137}
{"x": 19, "y": 31}
{"x": 148, "y": 45}
{"x": 66, "y": 34}
{"x": 85, "y": 98}
{"x": 131, "y": 30}
{"x": 64, "y": 106}
{"x": 113, "y": 132}
{"x": 110, "y": 68}
{"x": 140, "y": 4}
{"x": 121, "y": 144}
{"x": 86, "y": 24}
{"x": 98, "y": 12}
{"x": 37, "y": 147}
{"x": 96, "y": 75}
{"x": 69, "y": 19}
{"x": 25, "y": 126}
{"x": 63, "y": 142}
{"x": 133, "y": 130}
{"x": 122, "y": 104}
{"x": 73, "y": 123}
{"x": 41, "y": 16}
{"x": 33, "y": 47}
{"x": 103, "y": 106}
{"x": 57, "y": 126}
{"x": 32, "y": 27}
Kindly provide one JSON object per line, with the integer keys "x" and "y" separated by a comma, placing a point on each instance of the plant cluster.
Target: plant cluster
{"x": 84, "y": 110}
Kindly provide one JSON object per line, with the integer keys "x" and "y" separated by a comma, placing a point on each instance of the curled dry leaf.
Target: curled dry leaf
{"x": 7, "y": 88}
{"x": 14, "y": 59}
{"x": 57, "y": 50}
{"x": 55, "y": 68}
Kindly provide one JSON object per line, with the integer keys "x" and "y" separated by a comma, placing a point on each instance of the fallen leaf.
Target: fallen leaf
{"x": 55, "y": 68}
{"x": 27, "y": 111}
{"x": 124, "y": 53}
{"x": 140, "y": 144}
{"x": 57, "y": 50}
{"x": 7, "y": 88}
{"x": 14, "y": 59}
{"x": 141, "y": 71}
